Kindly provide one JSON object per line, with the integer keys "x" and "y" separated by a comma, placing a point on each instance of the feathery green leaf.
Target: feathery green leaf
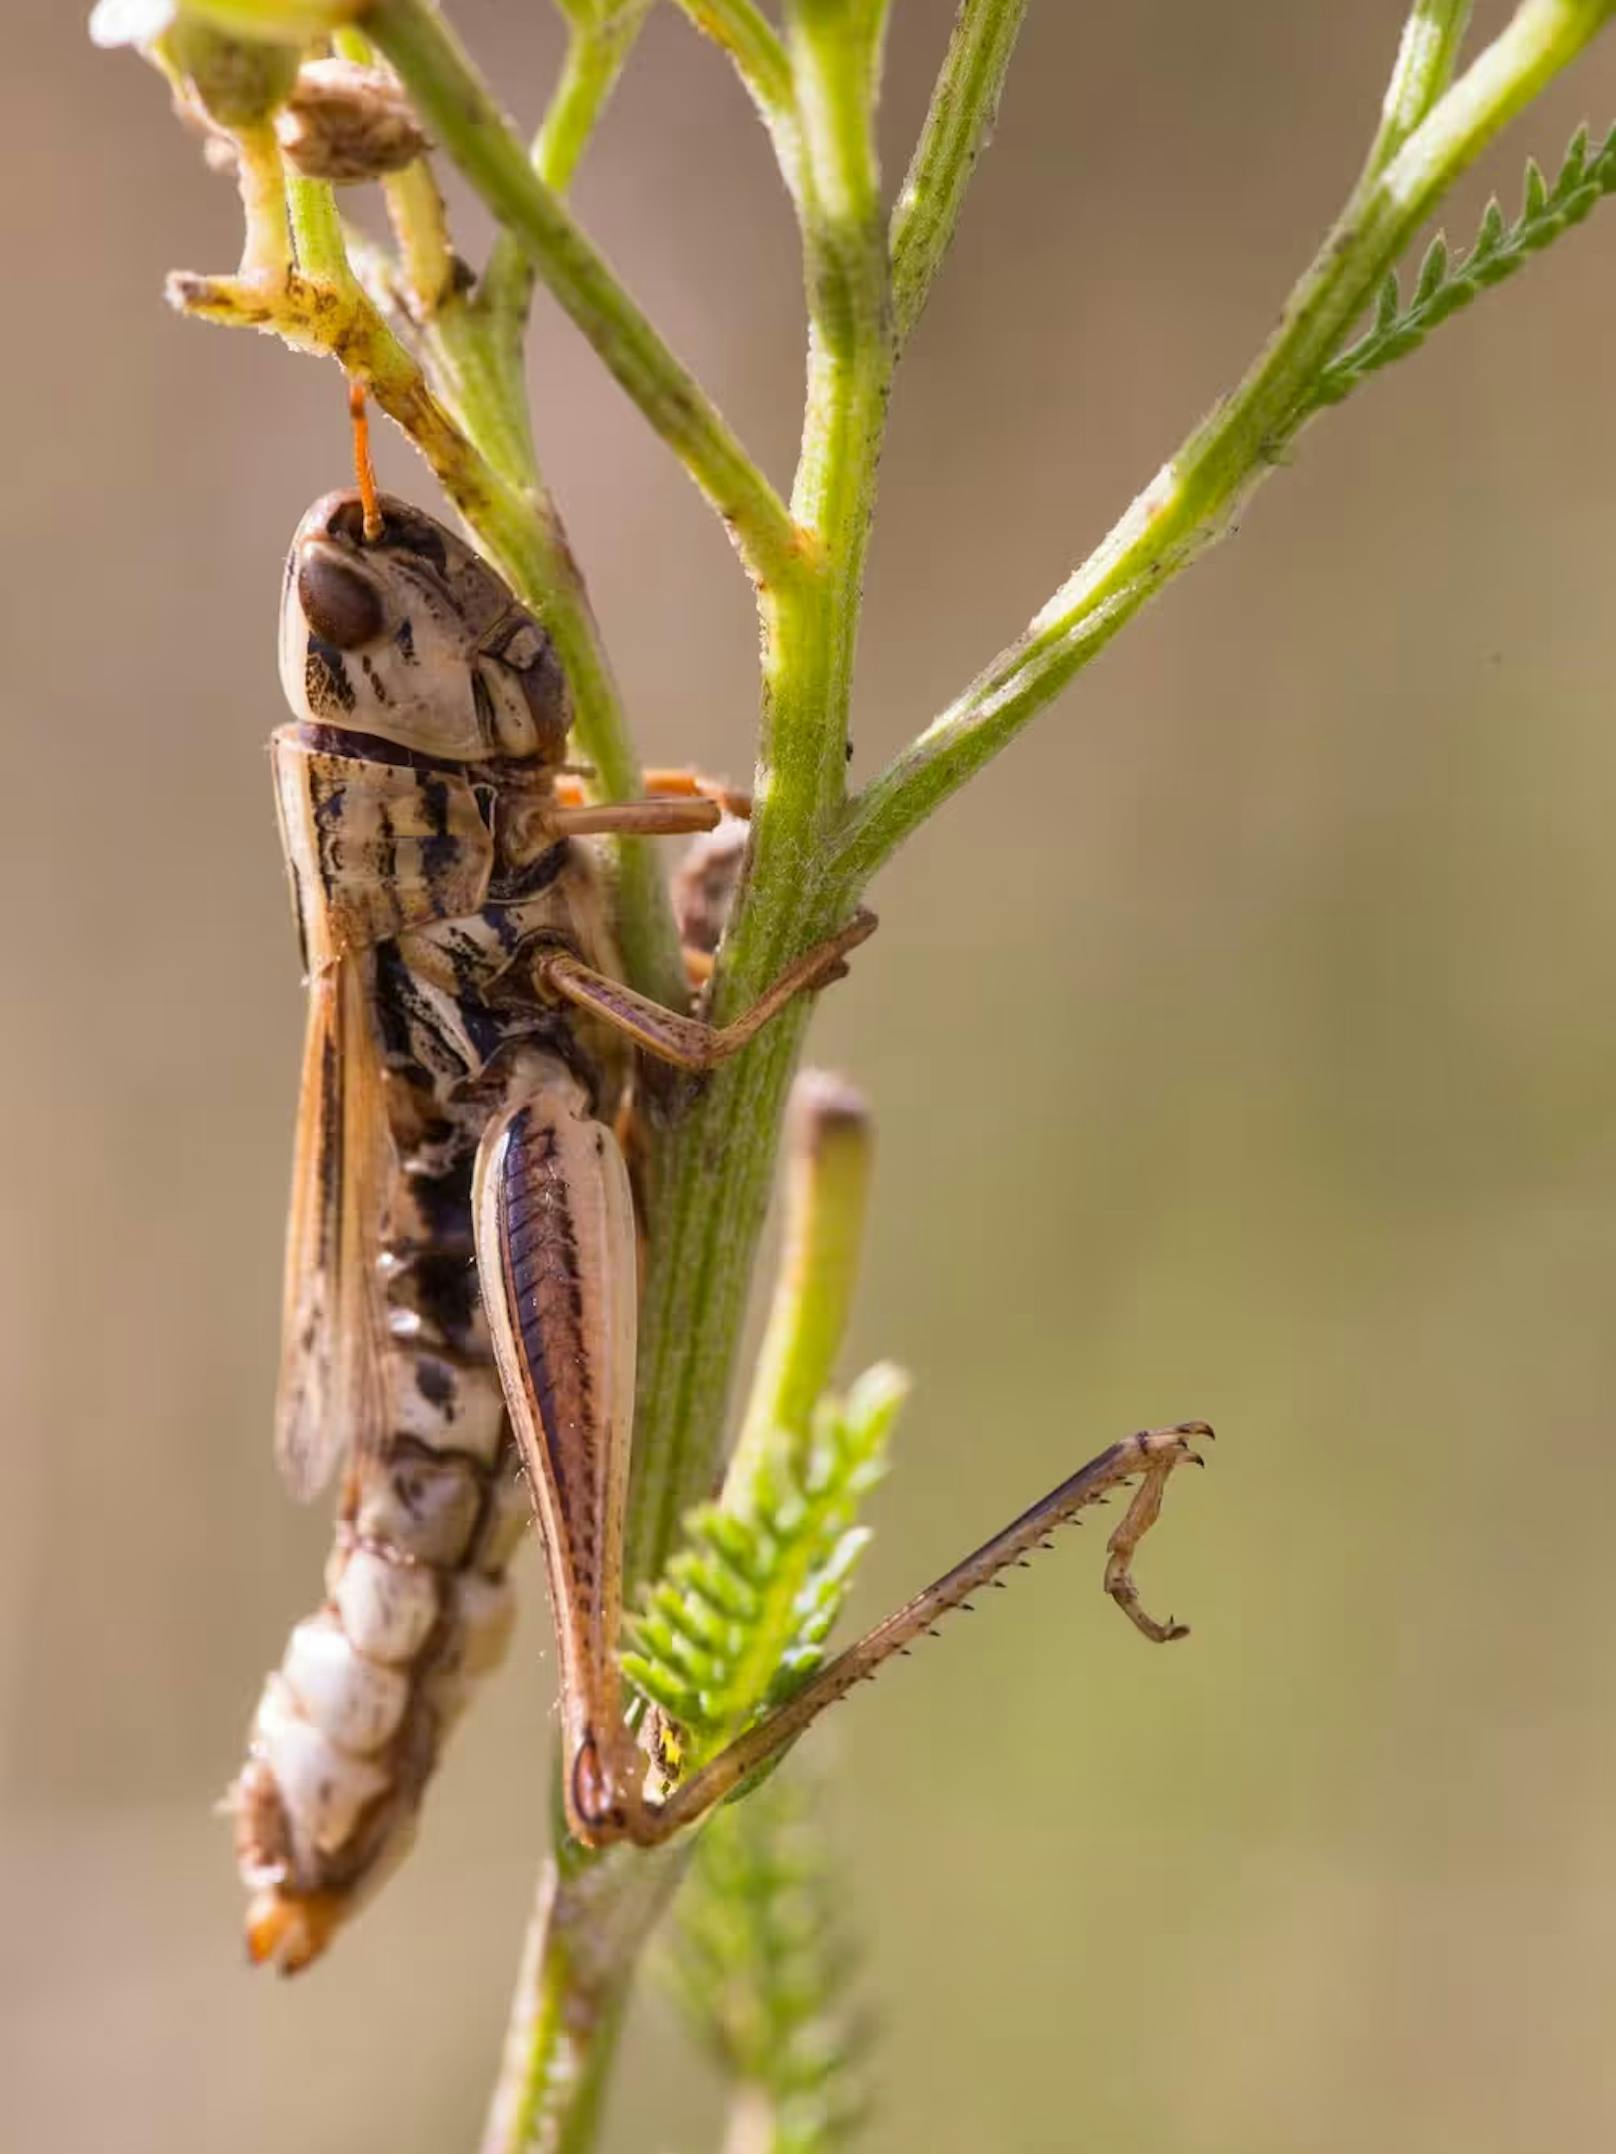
{"x": 739, "y": 1618}
{"x": 1446, "y": 283}
{"x": 760, "y": 1964}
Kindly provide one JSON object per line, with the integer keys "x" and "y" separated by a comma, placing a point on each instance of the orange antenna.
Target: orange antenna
{"x": 364, "y": 471}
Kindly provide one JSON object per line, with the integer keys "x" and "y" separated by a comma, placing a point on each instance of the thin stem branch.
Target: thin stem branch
{"x": 835, "y": 60}
{"x": 266, "y": 250}
{"x": 964, "y": 107}
{"x": 1425, "y": 62}
{"x": 427, "y": 262}
{"x": 454, "y": 103}
{"x": 761, "y": 61}
{"x": 597, "y": 52}
{"x": 314, "y": 303}
{"x": 1192, "y": 500}
{"x": 743, "y": 31}
{"x": 598, "y": 48}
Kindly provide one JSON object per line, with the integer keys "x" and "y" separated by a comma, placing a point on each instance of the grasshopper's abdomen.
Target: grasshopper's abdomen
{"x": 349, "y": 1728}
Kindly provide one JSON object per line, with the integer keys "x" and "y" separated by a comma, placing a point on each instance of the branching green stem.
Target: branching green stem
{"x": 713, "y": 1165}
{"x": 1193, "y": 498}
{"x": 597, "y": 51}
{"x": 964, "y": 107}
{"x": 717, "y": 1165}
{"x": 454, "y": 103}
{"x": 598, "y": 46}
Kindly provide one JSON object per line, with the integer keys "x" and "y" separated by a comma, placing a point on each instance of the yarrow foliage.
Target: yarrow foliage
{"x": 740, "y": 1617}
{"x": 762, "y": 1967}
{"x": 1445, "y": 284}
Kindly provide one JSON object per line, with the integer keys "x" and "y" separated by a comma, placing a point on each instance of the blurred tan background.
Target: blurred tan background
{"x": 1244, "y": 1045}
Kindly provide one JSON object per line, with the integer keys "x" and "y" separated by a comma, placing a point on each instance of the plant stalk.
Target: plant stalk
{"x": 743, "y": 31}
{"x": 959, "y": 121}
{"x": 716, "y": 1165}
{"x": 1425, "y": 62}
{"x": 713, "y": 1164}
{"x": 1193, "y": 499}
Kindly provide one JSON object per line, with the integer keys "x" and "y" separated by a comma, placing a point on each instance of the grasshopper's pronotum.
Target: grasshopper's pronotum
{"x": 461, "y": 1260}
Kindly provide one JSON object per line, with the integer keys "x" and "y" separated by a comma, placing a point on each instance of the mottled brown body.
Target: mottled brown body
{"x": 420, "y": 922}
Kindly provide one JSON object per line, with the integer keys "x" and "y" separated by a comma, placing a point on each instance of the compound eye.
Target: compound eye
{"x": 340, "y": 603}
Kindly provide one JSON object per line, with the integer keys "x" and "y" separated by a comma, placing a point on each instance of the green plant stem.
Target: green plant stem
{"x": 1193, "y": 499}
{"x": 1425, "y": 62}
{"x": 598, "y": 47}
{"x": 582, "y": 1944}
{"x": 260, "y": 176}
{"x": 310, "y": 298}
{"x": 716, "y": 1165}
{"x": 427, "y": 264}
{"x": 597, "y": 52}
{"x": 290, "y": 22}
{"x": 455, "y": 105}
{"x": 761, "y": 61}
{"x": 713, "y": 1164}
{"x": 960, "y": 119}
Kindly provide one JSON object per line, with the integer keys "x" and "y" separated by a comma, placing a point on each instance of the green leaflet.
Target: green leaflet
{"x": 761, "y": 1966}
{"x": 739, "y": 1618}
{"x": 1445, "y": 283}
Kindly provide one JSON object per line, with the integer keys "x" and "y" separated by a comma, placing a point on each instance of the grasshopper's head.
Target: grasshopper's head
{"x": 411, "y": 638}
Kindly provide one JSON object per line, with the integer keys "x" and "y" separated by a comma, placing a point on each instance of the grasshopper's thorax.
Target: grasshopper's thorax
{"x": 411, "y": 639}
{"x": 432, "y": 716}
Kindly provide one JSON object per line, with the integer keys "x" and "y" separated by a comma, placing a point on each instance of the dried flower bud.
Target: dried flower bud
{"x": 346, "y": 123}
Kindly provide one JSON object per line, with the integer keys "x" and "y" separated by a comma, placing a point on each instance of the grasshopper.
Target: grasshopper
{"x": 461, "y": 1267}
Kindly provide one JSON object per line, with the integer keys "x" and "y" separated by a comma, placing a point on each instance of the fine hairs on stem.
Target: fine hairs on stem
{"x": 439, "y": 346}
